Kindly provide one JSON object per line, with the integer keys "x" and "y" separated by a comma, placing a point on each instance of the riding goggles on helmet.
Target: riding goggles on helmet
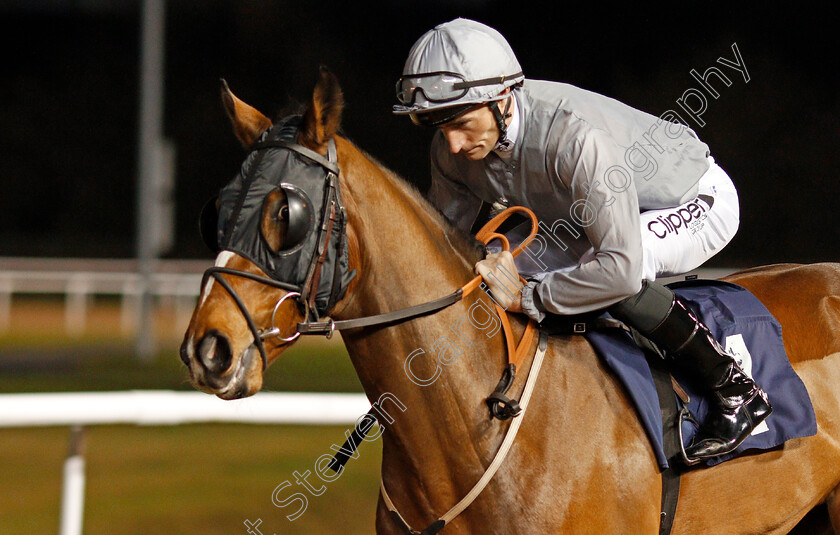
{"x": 441, "y": 86}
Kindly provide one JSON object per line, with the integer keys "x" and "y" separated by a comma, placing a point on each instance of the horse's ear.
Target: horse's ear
{"x": 248, "y": 123}
{"x": 323, "y": 117}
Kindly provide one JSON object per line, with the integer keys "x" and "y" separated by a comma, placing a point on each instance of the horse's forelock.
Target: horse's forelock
{"x": 292, "y": 107}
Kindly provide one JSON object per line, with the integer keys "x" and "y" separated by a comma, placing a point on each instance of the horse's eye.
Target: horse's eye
{"x": 287, "y": 218}
{"x": 275, "y": 220}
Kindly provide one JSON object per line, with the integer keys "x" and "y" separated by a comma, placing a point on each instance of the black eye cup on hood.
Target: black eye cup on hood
{"x": 287, "y": 219}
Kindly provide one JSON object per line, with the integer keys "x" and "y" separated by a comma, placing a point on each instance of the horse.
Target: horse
{"x": 581, "y": 462}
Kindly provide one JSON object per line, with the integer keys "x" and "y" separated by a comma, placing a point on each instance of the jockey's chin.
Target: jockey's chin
{"x": 478, "y": 152}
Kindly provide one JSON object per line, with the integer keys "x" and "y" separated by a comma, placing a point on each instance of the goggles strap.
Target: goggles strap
{"x": 463, "y": 86}
{"x": 485, "y": 81}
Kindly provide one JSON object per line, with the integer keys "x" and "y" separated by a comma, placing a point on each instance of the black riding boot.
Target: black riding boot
{"x": 738, "y": 404}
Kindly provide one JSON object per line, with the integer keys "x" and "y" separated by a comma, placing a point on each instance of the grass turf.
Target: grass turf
{"x": 203, "y": 479}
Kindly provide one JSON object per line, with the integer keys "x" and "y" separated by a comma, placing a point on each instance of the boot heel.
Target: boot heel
{"x": 758, "y": 408}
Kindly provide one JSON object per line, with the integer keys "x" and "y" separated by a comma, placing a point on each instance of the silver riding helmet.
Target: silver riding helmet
{"x": 453, "y": 67}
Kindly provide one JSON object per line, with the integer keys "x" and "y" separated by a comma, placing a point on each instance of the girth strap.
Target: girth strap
{"x": 669, "y": 407}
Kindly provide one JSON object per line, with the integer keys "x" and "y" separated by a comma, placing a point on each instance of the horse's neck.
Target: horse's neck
{"x": 407, "y": 253}
{"x": 432, "y": 405}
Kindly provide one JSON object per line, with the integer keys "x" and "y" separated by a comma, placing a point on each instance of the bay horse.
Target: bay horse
{"x": 581, "y": 463}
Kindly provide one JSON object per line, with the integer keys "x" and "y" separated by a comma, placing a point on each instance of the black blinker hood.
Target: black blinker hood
{"x": 276, "y": 161}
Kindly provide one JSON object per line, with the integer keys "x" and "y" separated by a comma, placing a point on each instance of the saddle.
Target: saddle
{"x": 668, "y": 408}
{"x": 742, "y": 324}
{"x": 730, "y": 312}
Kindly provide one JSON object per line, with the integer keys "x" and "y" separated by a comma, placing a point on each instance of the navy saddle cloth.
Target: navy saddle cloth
{"x": 743, "y": 325}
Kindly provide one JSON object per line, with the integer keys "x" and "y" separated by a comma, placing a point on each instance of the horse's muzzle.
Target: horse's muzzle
{"x": 214, "y": 370}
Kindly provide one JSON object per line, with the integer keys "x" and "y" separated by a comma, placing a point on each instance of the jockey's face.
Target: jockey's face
{"x": 473, "y": 134}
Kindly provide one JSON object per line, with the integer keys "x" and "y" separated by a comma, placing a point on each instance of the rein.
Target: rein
{"x": 333, "y": 217}
{"x": 500, "y": 405}
{"x": 333, "y": 210}
{"x": 498, "y": 459}
{"x": 485, "y": 235}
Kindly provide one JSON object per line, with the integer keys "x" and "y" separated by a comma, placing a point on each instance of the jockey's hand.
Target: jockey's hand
{"x": 502, "y": 278}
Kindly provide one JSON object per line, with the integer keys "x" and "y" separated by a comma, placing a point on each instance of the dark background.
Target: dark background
{"x": 69, "y": 99}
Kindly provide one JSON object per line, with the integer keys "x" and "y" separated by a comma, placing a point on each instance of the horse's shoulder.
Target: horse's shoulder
{"x": 575, "y": 358}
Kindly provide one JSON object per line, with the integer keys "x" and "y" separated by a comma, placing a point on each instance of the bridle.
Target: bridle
{"x": 314, "y": 327}
{"x": 333, "y": 218}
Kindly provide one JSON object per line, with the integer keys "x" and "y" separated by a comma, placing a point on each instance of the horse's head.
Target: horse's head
{"x": 279, "y": 230}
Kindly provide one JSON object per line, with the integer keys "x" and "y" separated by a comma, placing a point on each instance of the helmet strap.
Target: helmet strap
{"x": 501, "y": 118}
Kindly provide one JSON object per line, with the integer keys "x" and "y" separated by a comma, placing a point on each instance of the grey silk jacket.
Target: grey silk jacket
{"x": 587, "y": 165}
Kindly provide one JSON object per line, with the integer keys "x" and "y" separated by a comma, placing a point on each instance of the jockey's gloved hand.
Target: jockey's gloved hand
{"x": 502, "y": 278}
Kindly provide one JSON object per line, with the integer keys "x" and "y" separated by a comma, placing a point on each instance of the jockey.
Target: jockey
{"x": 622, "y": 196}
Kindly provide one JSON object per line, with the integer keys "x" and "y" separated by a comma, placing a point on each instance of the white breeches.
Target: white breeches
{"x": 680, "y": 239}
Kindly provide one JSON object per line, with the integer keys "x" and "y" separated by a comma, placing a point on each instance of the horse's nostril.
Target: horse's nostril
{"x": 214, "y": 352}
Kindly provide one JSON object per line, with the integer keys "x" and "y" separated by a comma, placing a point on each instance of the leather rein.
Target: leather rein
{"x": 485, "y": 235}
{"x": 500, "y": 405}
{"x": 333, "y": 218}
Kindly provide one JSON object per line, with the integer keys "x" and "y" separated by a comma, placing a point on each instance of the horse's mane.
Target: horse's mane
{"x": 459, "y": 239}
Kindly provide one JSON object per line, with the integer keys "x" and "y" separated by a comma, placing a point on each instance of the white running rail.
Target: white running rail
{"x": 161, "y": 408}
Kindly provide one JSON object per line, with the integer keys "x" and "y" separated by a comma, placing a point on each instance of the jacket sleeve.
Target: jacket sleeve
{"x": 457, "y": 203}
{"x": 606, "y": 207}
